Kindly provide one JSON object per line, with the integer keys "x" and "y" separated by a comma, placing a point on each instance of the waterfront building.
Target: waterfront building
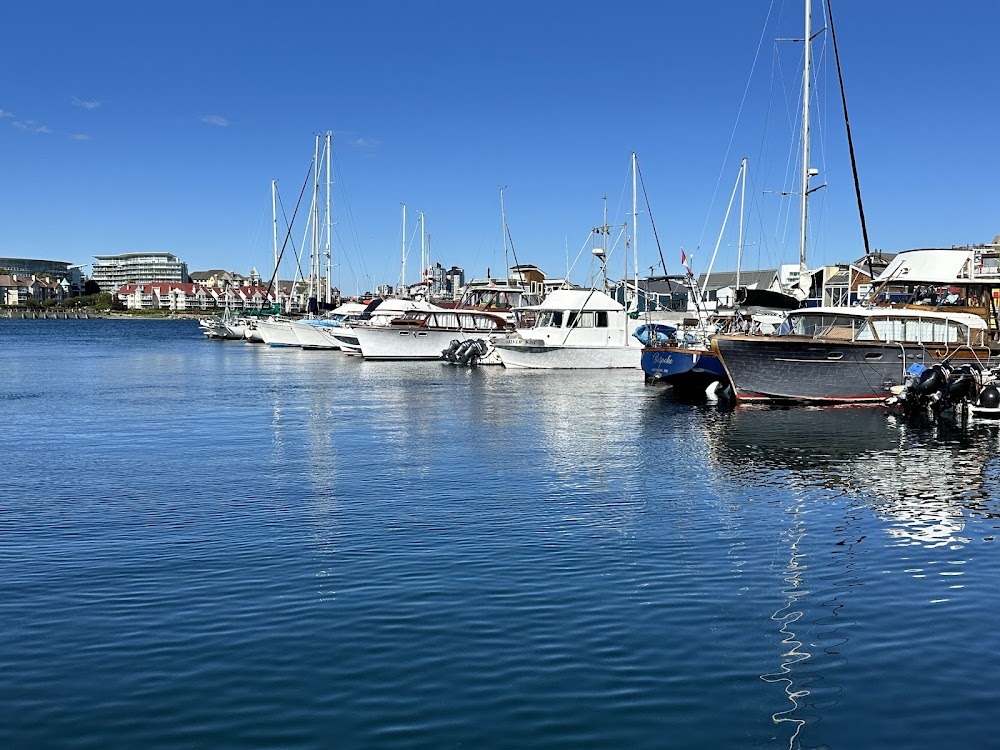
{"x": 20, "y": 290}
{"x": 69, "y": 275}
{"x": 111, "y": 272}
{"x": 220, "y": 278}
{"x": 187, "y": 297}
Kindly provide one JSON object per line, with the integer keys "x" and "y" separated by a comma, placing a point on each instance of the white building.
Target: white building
{"x": 111, "y": 272}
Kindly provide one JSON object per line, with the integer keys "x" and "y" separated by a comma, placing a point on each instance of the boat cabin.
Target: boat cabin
{"x": 452, "y": 320}
{"x": 886, "y": 325}
{"x": 501, "y": 297}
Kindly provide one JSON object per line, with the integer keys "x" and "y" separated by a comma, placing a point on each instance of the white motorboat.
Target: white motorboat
{"x": 574, "y": 329}
{"x": 378, "y": 313}
{"x": 426, "y": 334}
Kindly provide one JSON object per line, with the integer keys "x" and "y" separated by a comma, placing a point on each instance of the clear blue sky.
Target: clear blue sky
{"x": 130, "y": 126}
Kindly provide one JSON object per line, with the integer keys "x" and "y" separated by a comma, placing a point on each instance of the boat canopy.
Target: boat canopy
{"x": 577, "y": 299}
{"x": 945, "y": 267}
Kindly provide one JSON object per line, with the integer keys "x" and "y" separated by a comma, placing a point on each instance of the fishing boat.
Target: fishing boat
{"x": 573, "y": 329}
{"x": 850, "y": 354}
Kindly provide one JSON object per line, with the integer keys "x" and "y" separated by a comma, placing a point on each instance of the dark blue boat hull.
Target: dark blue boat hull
{"x": 687, "y": 369}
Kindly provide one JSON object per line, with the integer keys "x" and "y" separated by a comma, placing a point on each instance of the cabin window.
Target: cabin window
{"x": 549, "y": 319}
{"x": 828, "y": 326}
{"x": 920, "y": 330}
{"x": 571, "y": 319}
{"x": 583, "y": 320}
{"x": 602, "y": 319}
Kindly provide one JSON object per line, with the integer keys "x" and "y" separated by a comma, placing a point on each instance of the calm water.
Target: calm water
{"x": 217, "y": 544}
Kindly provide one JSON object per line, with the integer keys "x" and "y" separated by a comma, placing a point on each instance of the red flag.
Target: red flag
{"x": 684, "y": 259}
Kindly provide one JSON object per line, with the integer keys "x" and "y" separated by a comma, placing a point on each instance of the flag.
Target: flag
{"x": 684, "y": 259}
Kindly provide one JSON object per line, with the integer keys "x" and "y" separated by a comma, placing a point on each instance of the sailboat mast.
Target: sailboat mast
{"x": 423, "y": 252}
{"x": 739, "y": 244}
{"x": 274, "y": 221}
{"x": 329, "y": 258}
{"x": 402, "y": 270}
{"x": 635, "y": 241}
{"x": 503, "y": 231}
{"x": 313, "y": 307}
{"x": 803, "y": 217}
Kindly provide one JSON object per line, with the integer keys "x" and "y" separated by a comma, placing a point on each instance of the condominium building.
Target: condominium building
{"x": 114, "y": 271}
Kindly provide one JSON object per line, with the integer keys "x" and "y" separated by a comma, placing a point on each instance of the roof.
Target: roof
{"x": 969, "y": 319}
{"x": 8, "y": 280}
{"x": 762, "y": 279}
{"x": 577, "y": 299}
{"x": 841, "y": 277}
{"x": 879, "y": 260}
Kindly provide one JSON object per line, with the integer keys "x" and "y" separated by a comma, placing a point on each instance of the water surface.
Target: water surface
{"x": 221, "y": 544}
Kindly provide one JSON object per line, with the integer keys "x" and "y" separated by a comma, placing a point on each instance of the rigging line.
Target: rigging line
{"x": 295, "y": 253}
{"x": 739, "y": 114}
{"x": 512, "y": 252}
{"x": 351, "y": 225}
{"x": 850, "y": 140}
{"x": 288, "y": 234}
{"x": 649, "y": 210}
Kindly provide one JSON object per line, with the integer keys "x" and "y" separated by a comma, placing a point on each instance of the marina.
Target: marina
{"x": 354, "y": 397}
{"x": 265, "y": 546}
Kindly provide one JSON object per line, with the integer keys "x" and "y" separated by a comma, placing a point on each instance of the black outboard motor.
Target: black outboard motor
{"x": 450, "y": 353}
{"x": 941, "y": 387}
{"x": 932, "y": 380}
{"x": 961, "y": 385}
{"x": 470, "y": 351}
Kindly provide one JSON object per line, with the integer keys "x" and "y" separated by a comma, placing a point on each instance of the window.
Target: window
{"x": 584, "y": 320}
{"x": 602, "y": 319}
{"x": 549, "y": 319}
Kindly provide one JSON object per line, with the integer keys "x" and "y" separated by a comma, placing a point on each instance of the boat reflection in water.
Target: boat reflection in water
{"x": 917, "y": 476}
{"x": 875, "y": 520}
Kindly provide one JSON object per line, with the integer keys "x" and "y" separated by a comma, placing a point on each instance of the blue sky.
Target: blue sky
{"x": 131, "y": 127}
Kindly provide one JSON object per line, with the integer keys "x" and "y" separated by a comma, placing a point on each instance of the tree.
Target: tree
{"x": 91, "y": 287}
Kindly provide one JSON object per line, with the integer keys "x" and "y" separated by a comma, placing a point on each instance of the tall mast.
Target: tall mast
{"x": 402, "y": 270}
{"x": 274, "y": 221}
{"x": 423, "y": 254}
{"x": 605, "y": 235}
{"x": 807, "y": 61}
{"x": 313, "y": 307}
{"x": 503, "y": 229}
{"x": 329, "y": 257}
{"x": 739, "y": 244}
{"x": 635, "y": 241}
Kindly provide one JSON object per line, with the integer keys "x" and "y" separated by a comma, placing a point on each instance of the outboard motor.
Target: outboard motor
{"x": 450, "y": 353}
{"x": 962, "y": 384}
{"x": 932, "y": 380}
{"x": 470, "y": 352}
{"x": 462, "y": 352}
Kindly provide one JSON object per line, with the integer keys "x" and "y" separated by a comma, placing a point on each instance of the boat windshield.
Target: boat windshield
{"x": 828, "y": 326}
{"x": 549, "y": 319}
